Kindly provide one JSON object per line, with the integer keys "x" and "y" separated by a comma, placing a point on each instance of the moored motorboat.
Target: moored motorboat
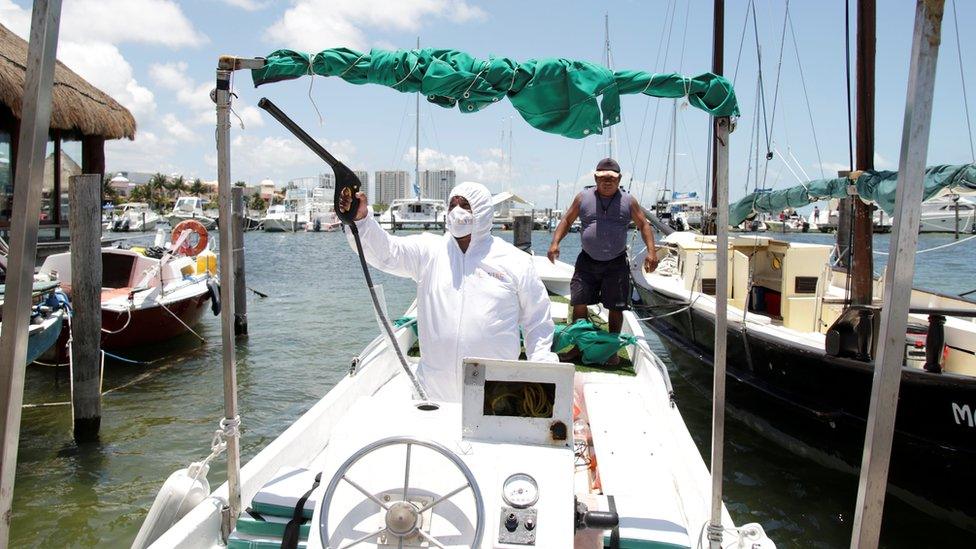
{"x": 47, "y": 318}
{"x": 414, "y": 213}
{"x": 134, "y": 216}
{"x": 145, "y": 299}
{"x": 800, "y": 359}
{"x": 190, "y": 207}
{"x": 613, "y": 442}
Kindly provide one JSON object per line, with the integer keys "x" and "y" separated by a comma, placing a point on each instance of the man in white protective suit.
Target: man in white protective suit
{"x": 474, "y": 290}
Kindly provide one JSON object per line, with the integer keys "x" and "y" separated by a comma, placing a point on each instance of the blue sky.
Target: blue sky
{"x": 157, "y": 58}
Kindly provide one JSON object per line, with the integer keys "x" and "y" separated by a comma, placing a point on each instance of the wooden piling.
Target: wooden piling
{"x": 522, "y": 232}
{"x": 86, "y": 293}
{"x": 240, "y": 288}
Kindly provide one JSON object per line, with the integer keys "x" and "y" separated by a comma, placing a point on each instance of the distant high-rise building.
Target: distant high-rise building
{"x": 326, "y": 180}
{"x": 363, "y": 176}
{"x": 437, "y": 183}
{"x": 391, "y": 185}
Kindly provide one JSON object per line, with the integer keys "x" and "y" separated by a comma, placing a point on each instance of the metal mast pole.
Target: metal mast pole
{"x": 28, "y": 180}
{"x": 722, "y": 128}
{"x": 416, "y": 148}
{"x": 231, "y": 421}
{"x": 898, "y": 277}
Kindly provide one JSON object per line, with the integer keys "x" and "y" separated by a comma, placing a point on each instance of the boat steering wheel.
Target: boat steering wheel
{"x": 403, "y": 518}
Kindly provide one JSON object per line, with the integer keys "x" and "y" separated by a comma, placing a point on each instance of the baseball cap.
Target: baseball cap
{"x": 607, "y": 166}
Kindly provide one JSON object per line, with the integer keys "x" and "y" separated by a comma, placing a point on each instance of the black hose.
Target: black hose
{"x": 346, "y": 182}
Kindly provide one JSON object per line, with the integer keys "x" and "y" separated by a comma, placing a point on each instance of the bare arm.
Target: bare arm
{"x": 563, "y": 228}
{"x": 644, "y": 226}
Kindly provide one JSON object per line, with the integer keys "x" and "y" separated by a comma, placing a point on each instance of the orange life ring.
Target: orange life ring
{"x": 199, "y": 229}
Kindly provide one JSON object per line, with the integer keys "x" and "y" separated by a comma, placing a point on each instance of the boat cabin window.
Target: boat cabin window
{"x": 185, "y": 204}
{"x": 519, "y": 398}
{"x": 415, "y": 208}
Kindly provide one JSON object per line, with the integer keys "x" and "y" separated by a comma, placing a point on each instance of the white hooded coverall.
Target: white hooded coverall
{"x": 469, "y": 304}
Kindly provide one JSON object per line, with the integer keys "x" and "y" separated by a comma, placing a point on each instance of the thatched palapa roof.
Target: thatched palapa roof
{"x": 78, "y": 108}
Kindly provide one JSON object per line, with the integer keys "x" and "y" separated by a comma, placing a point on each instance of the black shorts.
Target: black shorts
{"x": 606, "y": 282}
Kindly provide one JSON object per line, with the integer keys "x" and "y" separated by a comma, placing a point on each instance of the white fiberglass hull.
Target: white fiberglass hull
{"x": 281, "y": 225}
{"x": 207, "y": 222}
{"x": 658, "y": 464}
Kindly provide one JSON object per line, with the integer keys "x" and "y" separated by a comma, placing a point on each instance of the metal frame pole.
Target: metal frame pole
{"x": 722, "y": 128}
{"x": 28, "y": 180}
{"x": 898, "y": 277}
{"x": 227, "y": 249}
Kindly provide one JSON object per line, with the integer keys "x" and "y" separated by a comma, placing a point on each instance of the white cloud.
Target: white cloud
{"x": 490, "y": 171}
{"x": 147, "y": 153}
{"x": 342, "y": 22}
{"x": 113, "y": 21}
{"x": 174, "y": 77}
{"x": 178, "y": 129}
{"x": 247, "y": 5}
{"x": 88, "y": 39}
{"x": 280, "y": 158}
{"x": 103, "y": 65}
{"x": 196, "y": 95}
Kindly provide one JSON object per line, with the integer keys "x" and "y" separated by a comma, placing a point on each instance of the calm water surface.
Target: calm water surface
{"x": 318, "y": 316}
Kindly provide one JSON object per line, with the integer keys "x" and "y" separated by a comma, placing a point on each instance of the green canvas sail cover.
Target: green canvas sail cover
{"x": 554, "y": 95}
{"x": 874, "y": 186}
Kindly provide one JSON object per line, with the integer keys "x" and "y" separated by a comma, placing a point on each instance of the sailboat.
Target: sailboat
{"x": 582, "y": 459}
{"x": 802, "y": 341}
{"x": 417, "y": 212}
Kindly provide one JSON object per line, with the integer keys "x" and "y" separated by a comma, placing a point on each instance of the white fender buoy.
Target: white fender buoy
{"x": 182, "y": 491}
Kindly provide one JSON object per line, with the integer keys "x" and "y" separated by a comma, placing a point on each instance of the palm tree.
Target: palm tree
{"x": 108, "y": 191}
{"x": 140, "y": 194}
{"x": 157, "y": 186}
{"x": 257, "y": 203}
{"x": 197, "y": 188}
{"x": 178, "y": 186}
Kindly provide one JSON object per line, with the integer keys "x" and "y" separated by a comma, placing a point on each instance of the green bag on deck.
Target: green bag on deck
{"x": 596, "y": 345}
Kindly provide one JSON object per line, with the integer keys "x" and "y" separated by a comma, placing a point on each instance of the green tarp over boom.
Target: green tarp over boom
{"x": 554, "y": 95}
{"x": 875, "y": 186}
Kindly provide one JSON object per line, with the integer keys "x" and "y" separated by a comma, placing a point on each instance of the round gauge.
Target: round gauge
{"x": 520, "y": 490}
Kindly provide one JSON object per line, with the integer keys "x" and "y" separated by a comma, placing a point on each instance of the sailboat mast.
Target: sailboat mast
{"x": 718, "y": 62}
{"x": 416, "y": 148}
{"x": 862, "y": 267}
{"x": 609, "y": 61}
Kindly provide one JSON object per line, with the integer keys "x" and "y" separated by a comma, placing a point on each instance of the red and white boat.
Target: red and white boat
{"x": 145, "y": 300}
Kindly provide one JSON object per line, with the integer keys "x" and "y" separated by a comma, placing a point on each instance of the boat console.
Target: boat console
{"x": 495, "y": 470}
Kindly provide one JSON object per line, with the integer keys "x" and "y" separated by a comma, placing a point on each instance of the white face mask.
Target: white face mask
{"x": 460, "y": 222}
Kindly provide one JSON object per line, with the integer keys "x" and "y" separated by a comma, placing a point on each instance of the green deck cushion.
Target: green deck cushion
{"x": 280, "y": 495}
{"x": 267, "y": 525}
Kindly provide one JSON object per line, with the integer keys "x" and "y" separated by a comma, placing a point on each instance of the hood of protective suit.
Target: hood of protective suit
{"x": 479, "y": 197}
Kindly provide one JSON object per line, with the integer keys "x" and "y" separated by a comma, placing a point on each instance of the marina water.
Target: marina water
{"x": 159, "y": 417}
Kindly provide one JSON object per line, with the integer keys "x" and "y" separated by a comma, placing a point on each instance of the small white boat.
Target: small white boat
{"x": 939, "y": 215}
{"x": 190, "y": 207}
{"x": 292, "y": 215}
{"x": 144, "y": 300}
{"x": 321, "y": 214}
{"x": 414, "y": 213}
{"x": 47, "y": 319}
{"x": 280, "y": 219}
{"x": 134, "y": 216}
{"x": 603, "y": 454}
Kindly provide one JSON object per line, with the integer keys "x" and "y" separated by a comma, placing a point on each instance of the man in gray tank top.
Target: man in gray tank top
{"x": 602, "y": 274}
